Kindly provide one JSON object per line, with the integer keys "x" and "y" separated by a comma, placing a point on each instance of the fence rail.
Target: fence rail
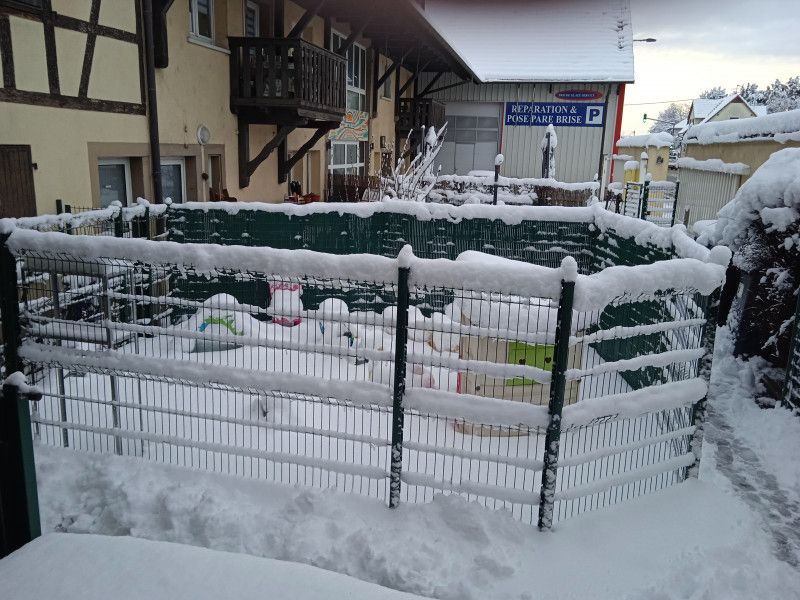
{"x": 396, "y": 378}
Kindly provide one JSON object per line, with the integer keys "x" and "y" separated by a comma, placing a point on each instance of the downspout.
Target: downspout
{"x": 152, "y": 101}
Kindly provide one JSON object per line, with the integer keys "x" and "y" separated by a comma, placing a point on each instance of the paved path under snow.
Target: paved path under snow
{"x": 780, "y": 511}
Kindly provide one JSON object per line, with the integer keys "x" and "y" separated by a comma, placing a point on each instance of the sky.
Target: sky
{"x": 705, "y": 43}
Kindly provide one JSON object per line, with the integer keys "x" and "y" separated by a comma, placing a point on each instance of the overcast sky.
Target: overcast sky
{"x": 705, "y": 43}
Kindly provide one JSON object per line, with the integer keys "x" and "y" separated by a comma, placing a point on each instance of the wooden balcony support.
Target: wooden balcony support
{"x": 286, "y": 165}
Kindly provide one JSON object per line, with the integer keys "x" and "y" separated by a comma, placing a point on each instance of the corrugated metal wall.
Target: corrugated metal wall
{"x": 579, "y": 148}
{"x": 704, "y": 193}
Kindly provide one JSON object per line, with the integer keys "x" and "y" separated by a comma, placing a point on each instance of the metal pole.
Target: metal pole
{"x": 152, "y": 100}
{"x": 60, "y": 383}
{"x": 699, "y": 408}
{"x": 558, "y": 383}
{"x": 398, "y": 415}
{"x": 107, "y": 314}
{"x": 675, "y": 202}
{"x": 644, "y": 198}
{"x": 19, "y": 501}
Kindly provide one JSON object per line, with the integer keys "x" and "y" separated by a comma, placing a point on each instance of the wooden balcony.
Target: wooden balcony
{"x": 286, "y": 81}
{"x": 417, "y": 113}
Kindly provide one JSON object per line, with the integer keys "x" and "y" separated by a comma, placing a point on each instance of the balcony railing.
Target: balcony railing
{"x": 421, "y": 112}
{"x": 287, "y": 75}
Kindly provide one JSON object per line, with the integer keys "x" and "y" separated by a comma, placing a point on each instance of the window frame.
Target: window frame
{"x": 389, "y": 83}
{"x": 349, "y": 168}
{"x": 194, "y": 21}
{"x": 180, "y": 161}
{"x": 112, "y": 161}
{"x": 362, "y": 74}
{"x": 248, "y": 4}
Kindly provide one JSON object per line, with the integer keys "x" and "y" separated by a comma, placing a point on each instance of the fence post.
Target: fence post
{"x": 644, "y": 197}
{"x": 699, "y": 408}
{"x": 119, "y": 225}
{"x": 498, "y": 162}
{"x": 19, "y": 501}
{"x": 675, "y": 202}
{"x": 400, "y": 349}
{"x": 558, "y": 384}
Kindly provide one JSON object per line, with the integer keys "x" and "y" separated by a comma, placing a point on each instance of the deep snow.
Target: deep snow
{"x": 81, "y": 567}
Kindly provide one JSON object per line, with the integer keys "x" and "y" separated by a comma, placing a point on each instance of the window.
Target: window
{"x": 115, "y": 181}
{"x": 252, "y": 15}
{"x": 347, "y": 158}
{"x": 201, "y": 19}
{"x": 356, "y": 73}
{"x": 173, "y": 179}
{"x": 386, "y": 91}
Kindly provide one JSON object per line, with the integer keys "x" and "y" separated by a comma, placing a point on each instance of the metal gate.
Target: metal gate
{"x": 17, "y": 195}
{"x": 652, "y": 201}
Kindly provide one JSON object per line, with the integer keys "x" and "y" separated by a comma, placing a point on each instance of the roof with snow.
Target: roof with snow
{"x": 654, "y": 140}
{"x": 539, "y": 40}
{"x": 781, "y": 127}
{"x": 706, "y": 108}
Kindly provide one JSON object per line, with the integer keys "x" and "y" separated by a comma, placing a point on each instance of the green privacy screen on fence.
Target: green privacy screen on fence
{"x": 432, "y": 232}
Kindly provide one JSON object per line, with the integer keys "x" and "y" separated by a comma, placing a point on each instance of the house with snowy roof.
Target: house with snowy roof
{"x": 537, "y": 63}
{"x": 719, "y": 156}
{"x": 732, "y": 106}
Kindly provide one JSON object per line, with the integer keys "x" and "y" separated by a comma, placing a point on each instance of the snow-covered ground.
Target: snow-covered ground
{"x": 125, "y": 568}
{"x": 700, "y": 539}
{"x": 689, "y": 541}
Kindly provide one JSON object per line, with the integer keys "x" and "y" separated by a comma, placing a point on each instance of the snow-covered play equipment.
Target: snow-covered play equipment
{"x": 548, "y": 361}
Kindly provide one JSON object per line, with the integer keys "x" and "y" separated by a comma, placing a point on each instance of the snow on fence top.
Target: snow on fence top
{"x": 674, "y": 238}
{"x": 704, "y": 271}
{"x": 572, "y": 40}
{"x": 715, "y": 165}
{"x": 655, "y": 140}
{"x": 477, "y": 178}
{"x": 780, "y": 127}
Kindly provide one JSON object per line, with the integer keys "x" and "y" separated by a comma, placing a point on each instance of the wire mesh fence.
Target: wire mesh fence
{"x": 653, "y": 201}
{"x": 393, "y": 378}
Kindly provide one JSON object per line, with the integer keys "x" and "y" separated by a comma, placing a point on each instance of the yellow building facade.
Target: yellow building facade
{"x": 74, "y": 101}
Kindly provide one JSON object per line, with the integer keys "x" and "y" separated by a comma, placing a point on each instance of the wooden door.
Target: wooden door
{"x": 17, "y": 195}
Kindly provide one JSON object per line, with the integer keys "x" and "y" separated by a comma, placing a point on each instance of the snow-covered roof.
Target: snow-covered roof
{"x": 780, "y": 127}
{"x": 539, "y": 40}
{"x": 706, "y": 108}
{"x": 654, "y": 140}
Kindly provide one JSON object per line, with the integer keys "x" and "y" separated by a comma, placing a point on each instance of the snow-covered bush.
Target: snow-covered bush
{"x": 414, "y": 179}
{"x": 761, "y": 225}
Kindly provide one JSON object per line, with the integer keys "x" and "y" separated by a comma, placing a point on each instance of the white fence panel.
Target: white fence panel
{"x": 703, "y": 193}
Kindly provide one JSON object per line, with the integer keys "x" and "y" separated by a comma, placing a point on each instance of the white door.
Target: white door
{"x": 473, "y": 137}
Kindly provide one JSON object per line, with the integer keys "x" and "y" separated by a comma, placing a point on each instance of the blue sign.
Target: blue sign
{"x": 558, "y": 114}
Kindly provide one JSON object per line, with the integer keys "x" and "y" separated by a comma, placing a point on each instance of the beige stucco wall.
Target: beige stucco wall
{"x": 735, "y": 110}
{"x": 194, "y": 90}
{"x": 753, "y": 154}
{"x": 60, "y": 138}
{"x": 658, "y": 171}
{"x": 59, "y": 146}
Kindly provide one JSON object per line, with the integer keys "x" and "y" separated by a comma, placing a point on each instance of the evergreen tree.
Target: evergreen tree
{"x": 714, "y": 93}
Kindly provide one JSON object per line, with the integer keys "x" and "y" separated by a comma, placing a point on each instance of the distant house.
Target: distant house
{"x": 732, "y": 106}
{"x": 562, "y": 63}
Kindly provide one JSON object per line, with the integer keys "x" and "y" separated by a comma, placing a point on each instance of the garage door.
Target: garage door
{"x": 473, "y": 138}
